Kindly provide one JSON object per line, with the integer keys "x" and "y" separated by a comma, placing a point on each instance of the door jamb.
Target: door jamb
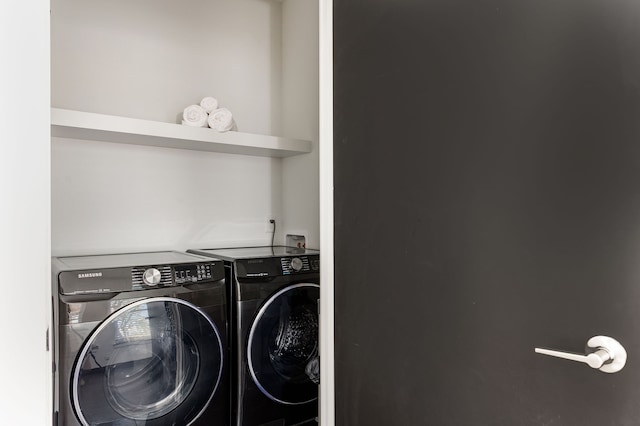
{"x": 327, "y": 384}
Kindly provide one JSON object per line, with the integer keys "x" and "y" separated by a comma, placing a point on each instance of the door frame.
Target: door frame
{"x": 327, "y": 378}
{"x": 25, "y": 255}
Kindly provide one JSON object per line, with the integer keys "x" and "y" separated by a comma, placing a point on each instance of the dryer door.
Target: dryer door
{"x": 156, "y": 361}
{"x": 283, "y": 345}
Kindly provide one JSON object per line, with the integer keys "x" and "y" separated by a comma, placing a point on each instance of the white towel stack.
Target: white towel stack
{"x": 207, "y": 114}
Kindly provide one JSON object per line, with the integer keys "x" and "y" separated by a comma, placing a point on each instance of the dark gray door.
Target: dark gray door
{"x": 487, "y": 202}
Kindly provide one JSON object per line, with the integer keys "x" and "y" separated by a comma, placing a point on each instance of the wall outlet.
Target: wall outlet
{"x": 298, "y": 241}
{"x": 270, "y": 226}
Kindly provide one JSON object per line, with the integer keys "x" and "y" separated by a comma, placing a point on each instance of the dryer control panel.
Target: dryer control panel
{"x": 267, "y": 268}
{"x": 299, "y": 264}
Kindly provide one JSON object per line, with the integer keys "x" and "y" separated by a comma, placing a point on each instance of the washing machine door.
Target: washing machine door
{"x": 282, "y": 347}
{"x": 157, "y": 361}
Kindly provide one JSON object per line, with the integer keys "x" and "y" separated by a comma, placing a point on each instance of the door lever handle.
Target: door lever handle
{"x": 607, "y": 354}
{"x": 594, "y": 359}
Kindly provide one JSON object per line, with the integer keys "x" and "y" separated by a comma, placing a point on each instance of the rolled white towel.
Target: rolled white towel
{"x": 209, "y": 104}
{"x": 194, "y": 116}
{"x": 221, "y": 120}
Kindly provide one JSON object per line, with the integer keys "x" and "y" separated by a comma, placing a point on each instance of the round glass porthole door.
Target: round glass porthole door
{"x": 157, "y": 361}
{"x": 283, "y": 345}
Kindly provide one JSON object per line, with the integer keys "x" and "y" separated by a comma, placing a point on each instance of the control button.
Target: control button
{"x": 296, "y": 264}
{"x": 151, "y": 276}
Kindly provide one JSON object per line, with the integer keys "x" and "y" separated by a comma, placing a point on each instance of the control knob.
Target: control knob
{"x": 151, "y": 276}
{"x": 296, "y": 264}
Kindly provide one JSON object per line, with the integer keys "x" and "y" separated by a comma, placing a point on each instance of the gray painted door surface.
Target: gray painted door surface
{"x": 487, "y": 201}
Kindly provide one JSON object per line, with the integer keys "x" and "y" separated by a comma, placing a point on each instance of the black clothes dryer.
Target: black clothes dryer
{"x": 274, "y": 333}
{"x": 140, "y": 339}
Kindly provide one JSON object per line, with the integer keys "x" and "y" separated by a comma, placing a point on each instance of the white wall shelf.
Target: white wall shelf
{"x": 109, "y": 128}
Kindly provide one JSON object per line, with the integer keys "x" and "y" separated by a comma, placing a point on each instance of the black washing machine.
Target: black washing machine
{"x": 274, "y": 333}
{"x": 140, "y": 339}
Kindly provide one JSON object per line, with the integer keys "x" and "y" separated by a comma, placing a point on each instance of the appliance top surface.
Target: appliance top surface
{"x": 129, "y": 259}
{"x": 236, "y": 253}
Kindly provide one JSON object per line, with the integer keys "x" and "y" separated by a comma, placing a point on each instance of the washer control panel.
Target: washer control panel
{"x": 146, "y": 277}
{"x": 193, "y": 273}
{"x": 101, "y": 276}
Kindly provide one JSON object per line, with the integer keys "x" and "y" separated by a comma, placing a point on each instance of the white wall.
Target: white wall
{"x": 25, "y": 365}
{"x": 110, "y": 198}
{"x": 149, "y": 59}
{"x": 300, "y": 174}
